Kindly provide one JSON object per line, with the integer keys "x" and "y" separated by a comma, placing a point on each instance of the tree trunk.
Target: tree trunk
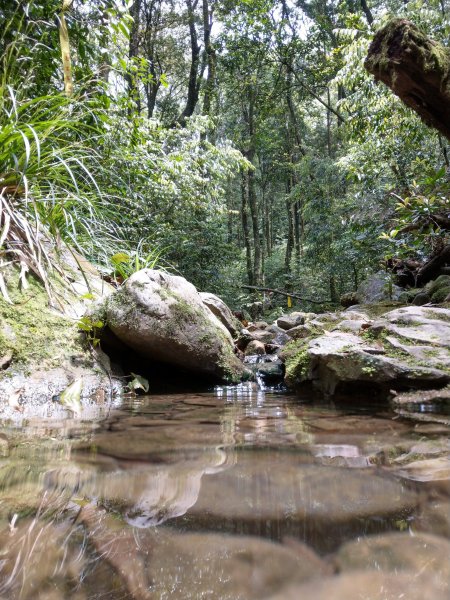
{"x": 432, "y": 268}
{"x": 333, "y": 291}
{"x": 257, "y": 257}
{"x": 193, "y": 88}
{"x": 210, "y": 58}
{"x": 290, "y": 238}
{"x": 133, "y": 51}
{"x": 416, "y": 68}
{"x": 367, "y": 12}
{"x": 245, "y": 228}
{"x": 249, "y": 117}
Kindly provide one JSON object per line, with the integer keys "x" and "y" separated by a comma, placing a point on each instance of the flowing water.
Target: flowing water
{"x": 232, "y": 494}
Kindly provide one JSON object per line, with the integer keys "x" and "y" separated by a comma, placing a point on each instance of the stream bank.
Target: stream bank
{"x": 158, "y": 326}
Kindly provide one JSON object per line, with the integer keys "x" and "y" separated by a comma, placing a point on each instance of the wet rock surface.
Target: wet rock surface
{"x": 276, "y": 494}
{"x": 396, "y": 552}
{"x": 161, "y": 563}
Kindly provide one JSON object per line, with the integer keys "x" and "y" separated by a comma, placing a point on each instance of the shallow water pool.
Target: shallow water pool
{"x": 232, "y": 494}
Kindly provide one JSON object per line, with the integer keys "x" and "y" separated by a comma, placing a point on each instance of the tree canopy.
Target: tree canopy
{"x": 238, "y": 143}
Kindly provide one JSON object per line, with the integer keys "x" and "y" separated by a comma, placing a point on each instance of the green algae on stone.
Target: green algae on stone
{"x": 33, "y": 331}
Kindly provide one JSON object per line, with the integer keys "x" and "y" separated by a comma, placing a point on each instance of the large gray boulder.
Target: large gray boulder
{"x": 406, "y": 348}
{"x": 162, "y": 317}
{"x": 377, "y": 288}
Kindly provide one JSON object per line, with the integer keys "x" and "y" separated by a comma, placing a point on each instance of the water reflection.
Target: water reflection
{"x": 210, "y": 495}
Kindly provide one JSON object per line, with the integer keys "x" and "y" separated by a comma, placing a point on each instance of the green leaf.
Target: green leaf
{"x": 138, "y": 383}
{"x": 120, "y": 258}
{"x": 163, "y": 80}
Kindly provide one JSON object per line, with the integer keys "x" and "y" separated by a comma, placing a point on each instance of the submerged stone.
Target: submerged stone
{"x": 432, "y": 472}
{"x": 398, "y": 552}
{"x": 434, "y": 517}
{"x": 277, "y": 493}
{"x": 370, "y": 585}
{"x": 159, "y": 563}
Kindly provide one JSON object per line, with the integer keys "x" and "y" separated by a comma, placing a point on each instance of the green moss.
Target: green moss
{"x": 400, "y": 35}
{"x": 32, "y": 331}
{"x": 440, "y": 295}
{"x": 296, "y": 357}
{"x": 443, "y": 281}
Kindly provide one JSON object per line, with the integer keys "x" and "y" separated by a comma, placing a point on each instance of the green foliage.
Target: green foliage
{"x": 422, "y": 217}
{"x": 138, "y": 383}
{"x": 125, "y": 264}
{"x": 336, "y": 161}
{"x": 91, "y": 326}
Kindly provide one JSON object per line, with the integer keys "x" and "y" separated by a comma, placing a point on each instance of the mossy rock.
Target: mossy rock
{"x": 443, "y": 281}
{"x": 441, "y": 294}
{"x": 33, "y": 332}
{"x": 163, "y": 318}
{"x": 421, "y": 298}
{"x": 42, "y": 349}
{"x": 407, "y": 296}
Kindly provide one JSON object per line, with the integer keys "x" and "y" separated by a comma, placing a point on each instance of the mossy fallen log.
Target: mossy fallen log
{"x": 416, "y": 68}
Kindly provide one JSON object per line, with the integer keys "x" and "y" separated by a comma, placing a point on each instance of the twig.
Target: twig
{"x": 283, "y": 293}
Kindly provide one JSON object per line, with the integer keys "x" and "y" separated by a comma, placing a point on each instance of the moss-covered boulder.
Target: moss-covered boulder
{"x": 406, "y": 348}
{"x": 42, "y": 348}
{"x": 163, "y": 318}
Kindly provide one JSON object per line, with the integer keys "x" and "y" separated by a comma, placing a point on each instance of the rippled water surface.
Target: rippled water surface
{"x": 234, "y": 494}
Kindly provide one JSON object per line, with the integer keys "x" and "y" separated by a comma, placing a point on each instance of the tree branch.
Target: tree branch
{"x": 284, "y": 293}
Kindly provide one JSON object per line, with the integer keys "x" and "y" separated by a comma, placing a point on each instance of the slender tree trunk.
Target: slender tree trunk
{"x": 249, "y": 117}
{"x": 355, "y": 278}
{"x": 246, "y": 228}
{"x": 267, "y": 224}
{"x": 296, "y": 221}
{"x": 210, "y": 58}
{"x": 329, "y": 144}
{"x": 257, "y": 256}
{"x": 193, "y": 84}
{"x": 444, "y": 150}
{"x": 367, "y": 12}
{"x": 133, "y": 52}
{"x": 104, "y": 68}
{"x": 290, "y": 232}
{"x": 334, "y": 296}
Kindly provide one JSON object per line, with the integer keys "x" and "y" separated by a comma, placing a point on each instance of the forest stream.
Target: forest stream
{"x": 232, "y": 493}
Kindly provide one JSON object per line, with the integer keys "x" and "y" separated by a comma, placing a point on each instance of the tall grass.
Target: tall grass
{"x": 49, "y": 159}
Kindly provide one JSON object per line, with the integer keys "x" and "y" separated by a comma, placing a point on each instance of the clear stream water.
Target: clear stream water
{"x": 230, "y": 494}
